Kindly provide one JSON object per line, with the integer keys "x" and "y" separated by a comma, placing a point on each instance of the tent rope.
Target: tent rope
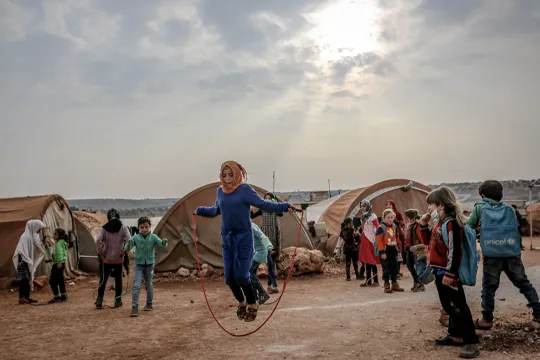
{"x": 280, "y": 296}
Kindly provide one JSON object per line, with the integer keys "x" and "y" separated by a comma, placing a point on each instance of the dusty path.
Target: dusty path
{"x": 319, "y": 318}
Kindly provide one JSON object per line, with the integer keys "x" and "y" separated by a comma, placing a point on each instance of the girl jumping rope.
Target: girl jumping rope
{"x": 234, "y": 198}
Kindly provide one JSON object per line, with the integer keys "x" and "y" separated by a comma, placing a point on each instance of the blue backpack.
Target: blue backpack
{"x": 499, "y": 231}
{"x": 470, "y": 256}
{"x": 376, "y": 247}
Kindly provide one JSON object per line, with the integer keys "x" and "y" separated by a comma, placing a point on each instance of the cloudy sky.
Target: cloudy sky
{"x": 140, "y": 98}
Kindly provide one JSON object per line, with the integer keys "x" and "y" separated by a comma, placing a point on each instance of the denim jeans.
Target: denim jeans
{"x": 255, "y": 283}
{"x": 272, "y": 278}
{"x": 411, "y": 262}
{"x": 514, "y": 269}
{"x": 424, "y": 270}
{"x": 146, "y": 273}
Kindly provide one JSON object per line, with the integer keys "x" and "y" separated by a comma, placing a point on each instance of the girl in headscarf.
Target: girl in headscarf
{"x": 27, "y": 256}
{"x": 233, "y": 201}
{"x": 367, "y": 247}
{"x": 271, "y": 228}
{"x": 400, "y": 222}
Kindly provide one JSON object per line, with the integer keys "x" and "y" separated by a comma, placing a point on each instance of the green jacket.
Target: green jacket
{"x": 59, "y": 255}
{"x": 261, "y": 245}
{"x": 474, "y": 218}
{"x": 144, "y": 247}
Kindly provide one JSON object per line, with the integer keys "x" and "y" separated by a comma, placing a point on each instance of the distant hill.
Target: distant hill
{"x": 130, "y": 208}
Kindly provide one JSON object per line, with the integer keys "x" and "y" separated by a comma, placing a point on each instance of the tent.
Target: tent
{"x": 406, "y": 193}
{"x": 53, "y": 210}
{"x": 88, "y": 226}
{"x": 176, "y": 227}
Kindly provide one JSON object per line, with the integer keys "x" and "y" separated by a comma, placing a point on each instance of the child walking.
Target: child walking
{"x": 413, "y": 236}
{"x": 388, "y": 246}
{"x": 144, "y": 243}
{"x": 500, "y": 241}
{"x": 446, "y": 261}
{"x": 233, "y": 200}
{"x": 370, "y": 224}
{"x": 262, "y": 248}
{"x": 351, "y": 238}
{"x": 59, "y": 258}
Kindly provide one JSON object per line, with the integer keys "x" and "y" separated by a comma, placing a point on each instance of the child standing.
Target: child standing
{"x": 262, "y": 248}
{"x": 110, "y": 246}
{"x": 388, "y": 246}
{"x": 144, "y": 243}
{"x": 370, "y": 224}
{"x": 446, "y": 261}
{"x": 233, "y": 200}
{"x": 27, "y": 256}
{"x": 59, "y": 257}
{"x": 350, "y": 247}
{"x": 413, "y": 236}
{"x": 500, "y": 241}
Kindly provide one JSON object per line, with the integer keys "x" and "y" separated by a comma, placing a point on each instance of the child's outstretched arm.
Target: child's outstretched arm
{"x": 474, "y": 218}
{"x": 252, "y": 198}
{"x": 161, "y": 243}
{"x": 130, "y": 244}
{"x": 208, "y": 211}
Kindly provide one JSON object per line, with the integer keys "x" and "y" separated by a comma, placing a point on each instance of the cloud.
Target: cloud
{"x": 125, "y": 96}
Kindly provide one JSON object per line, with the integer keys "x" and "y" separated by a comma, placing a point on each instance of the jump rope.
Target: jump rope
{"x": 277, "y": 301}
{"x": 102, "y": 279}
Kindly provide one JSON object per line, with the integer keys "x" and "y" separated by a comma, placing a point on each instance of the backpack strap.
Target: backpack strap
{"x": 444, "y": 229}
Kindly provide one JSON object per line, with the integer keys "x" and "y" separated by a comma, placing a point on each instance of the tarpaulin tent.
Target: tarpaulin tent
{"x": 53, "y": 210}
{"x": 176, "y": 227}
{"x": 88, "y": 226}
{"x": 406, "y": 193}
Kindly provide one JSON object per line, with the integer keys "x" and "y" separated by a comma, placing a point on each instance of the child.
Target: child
{"x": 413, "y": 236}
{"x": 144, "y": 243}
{"x": 234, "y": 198}
{"x": 368, "y": 243}
{"x": 388, "y": 246}
{"x": 59, "y": 257}
{"x": 262, "y": 248}
{"x": 110, "y": 246}
{"x": 446, "y": 261}
{"x": 27, "y": 256}
{"x": 272, "y": 229}
{"x": 506, "y": 257}
{"x": 350, "y": 247}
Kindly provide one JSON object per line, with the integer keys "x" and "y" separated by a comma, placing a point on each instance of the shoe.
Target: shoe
{"x": 413, "y": 289}
{"x": 396, "y": 288}
{"x": 272, "y": 290}
{"x": 55, "y": 300}
{"x": 365, "y": 285}
{"x": 241, "y": 312}
{"x": 118, "y": 303}
{"x": 419, "y": 288}
{"x": 23, "y": 301}
{"x": 387, "y": 288}
{"x": 447, "y": 341}
{"x": 251, "y": 312}
{"x": 483, "y": 324}
{"x": 63, "y": 298}
{"x": 32, "y": 301}
{"x": 148, "y": 308}
{"x": 99, "y": 303}
{"x": 264, "y": 298}
{"x": 375, "y": 284}
{"x": 469, "y": 351}
{"x": 348, "y": 279}
{"x": 134, "y": 313}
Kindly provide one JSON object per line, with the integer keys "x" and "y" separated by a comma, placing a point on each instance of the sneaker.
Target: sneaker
{"x": 148, "y": 308}
{"x": 99, "y": 303}
{"x": 414, "y": 287}
{"x": 23, "y": 301}
{"x": 118, "y": 303}
{"x": 264, "y": 298}
{"x": 469, "y": 351}
{"x": 63, "y": 298}
{"x": 420, "y": 288}
{"x": 134, "y": 313}
{"x": 272, "y": 290}
{"x": 32, "y": 301}
{"x": 348, "y": 279}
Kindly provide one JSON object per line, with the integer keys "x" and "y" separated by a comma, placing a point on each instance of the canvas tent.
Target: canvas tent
{"x": 88, "y": 226}
{"x": 406, "y": 193}
{"x": 176, "y": 227}
{"x": 53, "y": 210}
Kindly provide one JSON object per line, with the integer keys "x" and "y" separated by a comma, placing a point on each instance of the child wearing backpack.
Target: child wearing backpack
{"x": 388, "y": 250}
{"x": 500, "y": 242}
{"x": 448, "y": 258}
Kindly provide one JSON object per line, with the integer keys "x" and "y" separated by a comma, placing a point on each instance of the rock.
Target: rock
{"x": 71, "y": 284}
{"x": 193, "y": 274}
{"x": 206, "y": 271}
{"x": 306, "y": 262}
{"x": 183, "y": 272}
{"x": 166, "y": 275}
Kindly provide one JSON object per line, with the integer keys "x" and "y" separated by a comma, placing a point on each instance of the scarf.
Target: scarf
{"x": 30, "y": 240}
{"x": 367, "y": 213}
{"x": 239, "y": 176}
{"x": 399, "y": 216}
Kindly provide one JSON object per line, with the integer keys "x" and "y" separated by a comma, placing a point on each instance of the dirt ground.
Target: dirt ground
{"x": 320, "y": 317}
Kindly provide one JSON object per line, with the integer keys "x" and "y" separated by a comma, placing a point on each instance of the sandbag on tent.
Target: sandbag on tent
{"x": 176, "y": 227}
{"x": 54, "y": 211}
